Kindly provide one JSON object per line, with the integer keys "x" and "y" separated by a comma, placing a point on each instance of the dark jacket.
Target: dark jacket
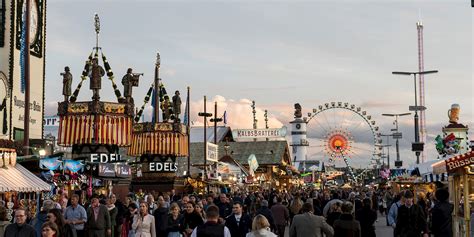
{"x": 410, "y": 221}
{"x": 22, "y": 231}
{"x": 174, "y": 225}
{"x": 346, "y": 226}
{"x": 38, "y": 221}
{"x": 67, "y": 230}
{"x": 210, "y": 229}
{"x": 103, "y": 219}
{"x": 191, "y": 221}
{"x": 240, "y": 230}
{"x": 280, "y": 214}
{"x": 225, "y": 209}
{"x": 441, "y": 219}
{"x": 267, "y": 214}
{"x": 333, "y": 216}
{"x": 161, "y": 220}
{"x": 367, "y": 218}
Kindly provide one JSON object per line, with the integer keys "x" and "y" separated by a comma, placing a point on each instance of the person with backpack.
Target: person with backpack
{"x": 212, "y": 227}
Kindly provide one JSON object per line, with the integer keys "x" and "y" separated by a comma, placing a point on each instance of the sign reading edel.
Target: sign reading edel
{"x": 259, "y": 133}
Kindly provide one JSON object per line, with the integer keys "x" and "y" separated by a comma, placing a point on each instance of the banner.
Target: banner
{"x": 123, "y": 171}
{"x": 73, "y": 165}
{"x": 253, "y": 164}
{"x": 212, "y": 154}
{"x": 50, "y": 164}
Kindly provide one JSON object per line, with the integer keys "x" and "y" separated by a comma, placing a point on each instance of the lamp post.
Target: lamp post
{"x": 416, "y": 146}
{"x": 397, "y": 135}
{"x": 388, "y": 148}
{"x": 205, "y": 115}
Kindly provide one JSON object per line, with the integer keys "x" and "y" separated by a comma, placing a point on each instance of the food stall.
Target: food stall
{"x": 461, "y": 188}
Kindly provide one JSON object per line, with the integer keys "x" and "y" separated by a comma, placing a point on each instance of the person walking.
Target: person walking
{"x": 174, "y": 222}
{"x": 191, "y": 219}
{"x": 161, "y": 217}
{"x": 367, "y": 217}
{"x": 260, "y": 227}
{"x": 346, "y": 226}
{"x": 239, "y": 223}
{"x": 3, "y": 220}
{"x": 64, "y": 229}
{"x": 263, "y": 210}
{"x": 98, "y": 219}
{"x": 441, "y": 221}
{"x": 410, "y": 219}
{"x": 212, "y": 227}
{"x": 280, "y": 216}
{"x": 20, "y": 228}
{"x": 76, "y": 215}
{"x": 110, "y": 203}
{"x": 49, "y": 229}
{"x": 144, "y": 223}
{"x": 309, "y": 225}
{"x": 38, "y": 221}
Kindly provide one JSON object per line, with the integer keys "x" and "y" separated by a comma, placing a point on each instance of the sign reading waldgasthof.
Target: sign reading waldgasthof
{"x": 259, "y": 133}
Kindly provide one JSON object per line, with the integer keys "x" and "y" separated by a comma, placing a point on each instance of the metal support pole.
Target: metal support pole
{"x": 156, "y": 109}
{"x": 417, "y": 128}
{"x": 205, "y": 114}
{"x": 188, "y": 128}
{"x": 26, "y": 119}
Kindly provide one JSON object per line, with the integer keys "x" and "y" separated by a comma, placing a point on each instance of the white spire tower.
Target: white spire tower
{"x": 421, "y": 67}
{"x": 298, "y": 138}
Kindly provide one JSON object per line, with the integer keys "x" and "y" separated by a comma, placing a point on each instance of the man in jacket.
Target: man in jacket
{"x": 346, "y": 225}
{"x": 161, "y": 217}
{"x": 98, "y": 219}
{"x": 239, "y": 223}
{"x": 441, "y": 215}
{"x": 411, "y": 220}
{"x": 280, "y": 216}
{"x": 20, "y": 228}
{"x": 264, "y": 211}
{"x": 309, "y": 225}
{"x": 211, "y": 228}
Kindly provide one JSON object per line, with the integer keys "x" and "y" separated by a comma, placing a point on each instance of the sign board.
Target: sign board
{"x": 123, "y": 171}
{"x": 107, "y": 170}
{"x": 459, "y": 161}
{"x": 212, "y": 154}
{"x": 162, "y": 167}
{"x": 416, "y": 108}
{"x": 259, "y": 133}
{"x": 253, "y": 163}
{"x": 105, "y": 158}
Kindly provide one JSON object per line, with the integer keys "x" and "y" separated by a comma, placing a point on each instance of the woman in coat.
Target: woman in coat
{"x": 173, "y": 228}
{"x": 144, "y": 223}
{"x": 64, "y": 230}
{"x": 191, "y": 219}
{"x": 110, "y": 203}
{"x": 260, "y": 227}
{"x": 367, "y": 217}
{"x": 346, "y": 226}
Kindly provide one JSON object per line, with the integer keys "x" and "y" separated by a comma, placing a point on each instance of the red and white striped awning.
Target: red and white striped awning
{"x": 18, "y": 179}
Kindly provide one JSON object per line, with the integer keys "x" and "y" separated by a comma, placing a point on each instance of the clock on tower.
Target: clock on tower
{"x": 36, "y": 26}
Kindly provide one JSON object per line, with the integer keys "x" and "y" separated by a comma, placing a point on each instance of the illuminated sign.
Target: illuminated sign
{"x": 259, "y": 133}
{"x": 459, "y": 161}
{"x": 162, "y": 167}
{"x": 105, "y": 158}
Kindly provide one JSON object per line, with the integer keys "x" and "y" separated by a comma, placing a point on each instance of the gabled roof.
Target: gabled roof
{"x": 197, "y": 134}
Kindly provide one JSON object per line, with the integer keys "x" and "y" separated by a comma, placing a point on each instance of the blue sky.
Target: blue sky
{"x": 276, "y": 53}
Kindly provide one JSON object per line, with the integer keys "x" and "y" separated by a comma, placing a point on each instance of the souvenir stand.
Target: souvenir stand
{"x": 156, "y": 145}
{"x": 18, "y": 186}
{"x": 97, "y": 129}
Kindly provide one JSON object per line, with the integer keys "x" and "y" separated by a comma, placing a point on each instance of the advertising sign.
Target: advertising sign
{"x": 259, "y": 133}
{"x": 105, "y": 158}
{"x": 459, "y": 161}
{"x": 123, "y": 171}
{"x": 212, "y": 154}
{"x": 107, "y": 170}
{"x": 162, "y": 167}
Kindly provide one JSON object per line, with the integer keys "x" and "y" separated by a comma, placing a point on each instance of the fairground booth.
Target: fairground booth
{"x": 461, "y": 188}
{"x": 18, "y": 186}
{"x": 156, "y": 146}
{"x": 96, "y": 129}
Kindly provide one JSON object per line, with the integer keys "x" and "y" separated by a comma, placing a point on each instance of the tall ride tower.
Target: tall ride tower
{"x": 298, "y": 139}
{"x": 421, "y": 65}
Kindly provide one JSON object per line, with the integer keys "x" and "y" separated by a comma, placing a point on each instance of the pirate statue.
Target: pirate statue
{"x": 96, "y": 74}
{"x": 176, "y": 106}
{"x": 129, "y": 81}
{"x": 67, "y": 82}
{"x": 165, "y": 108}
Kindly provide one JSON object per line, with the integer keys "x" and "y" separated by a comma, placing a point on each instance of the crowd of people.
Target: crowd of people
{"x": 305, "y": 213}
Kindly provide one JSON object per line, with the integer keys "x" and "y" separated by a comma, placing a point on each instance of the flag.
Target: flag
{"x": 224, "y": 117}
{"x": 186, "y": 115}
{"x": 153, "y": 104}
{"x": 253, "y": 164}
{"x": 23, "y": 52}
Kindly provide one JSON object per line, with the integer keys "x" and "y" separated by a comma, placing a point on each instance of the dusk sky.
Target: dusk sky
{"x": 277, "y": 53}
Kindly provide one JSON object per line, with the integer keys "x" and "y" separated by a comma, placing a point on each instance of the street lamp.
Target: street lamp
{"x": 416, "y": 146}
{"x": 397, "y": 135}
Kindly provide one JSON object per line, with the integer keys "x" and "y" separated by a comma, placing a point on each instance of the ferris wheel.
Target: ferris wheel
{"x": 343, "y": 134}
